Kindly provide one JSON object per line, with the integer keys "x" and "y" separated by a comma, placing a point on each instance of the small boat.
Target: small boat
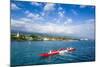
{"x": 55, "y": 52}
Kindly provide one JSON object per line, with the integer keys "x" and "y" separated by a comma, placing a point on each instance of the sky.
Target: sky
{"x": 53, "y": 18}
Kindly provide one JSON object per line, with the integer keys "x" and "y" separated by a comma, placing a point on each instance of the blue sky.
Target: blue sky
{"x": 53, "y": 18}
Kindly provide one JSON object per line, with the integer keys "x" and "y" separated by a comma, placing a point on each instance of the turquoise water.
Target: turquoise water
{"x": 27, "y": 52}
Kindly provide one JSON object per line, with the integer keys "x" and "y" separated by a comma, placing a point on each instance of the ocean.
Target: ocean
{"x": 27, "y": 52}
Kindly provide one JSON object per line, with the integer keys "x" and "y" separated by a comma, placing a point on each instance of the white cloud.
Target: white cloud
{"x": 90, "y": 20}
{"x": 61, "y": 13}
{"x": 35, "y": 3}
{"x": 43, "y": 14}
{"x": 49, "y": 7}
{"x": 32, "y": 15}
{"x": 83, "y": 6}
{"x": 14, "y": 6}
{"x": 68, "y": 21}
{"x": 17, "y": 25}
{"x": 25, "y": 19}
{"x": 74, "y": 12}
{"x": 27, "y": 12}
{"x": 81, "y": 30}
{"x": 60, "y": 8}
{"x": 35, "y": 16}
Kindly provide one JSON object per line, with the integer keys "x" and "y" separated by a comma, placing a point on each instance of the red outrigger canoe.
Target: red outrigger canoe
{"x": 54, "y": 52}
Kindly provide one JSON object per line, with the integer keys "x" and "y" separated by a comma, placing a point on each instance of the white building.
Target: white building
{"x": 45, "y": 39}
{"x": 17, "y": 34}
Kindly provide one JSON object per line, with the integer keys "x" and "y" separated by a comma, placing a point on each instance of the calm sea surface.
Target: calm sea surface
{"x": 27, "y": 52}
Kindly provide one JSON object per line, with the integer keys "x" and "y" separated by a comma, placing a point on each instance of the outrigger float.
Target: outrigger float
{"x": 55, "y": 52}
